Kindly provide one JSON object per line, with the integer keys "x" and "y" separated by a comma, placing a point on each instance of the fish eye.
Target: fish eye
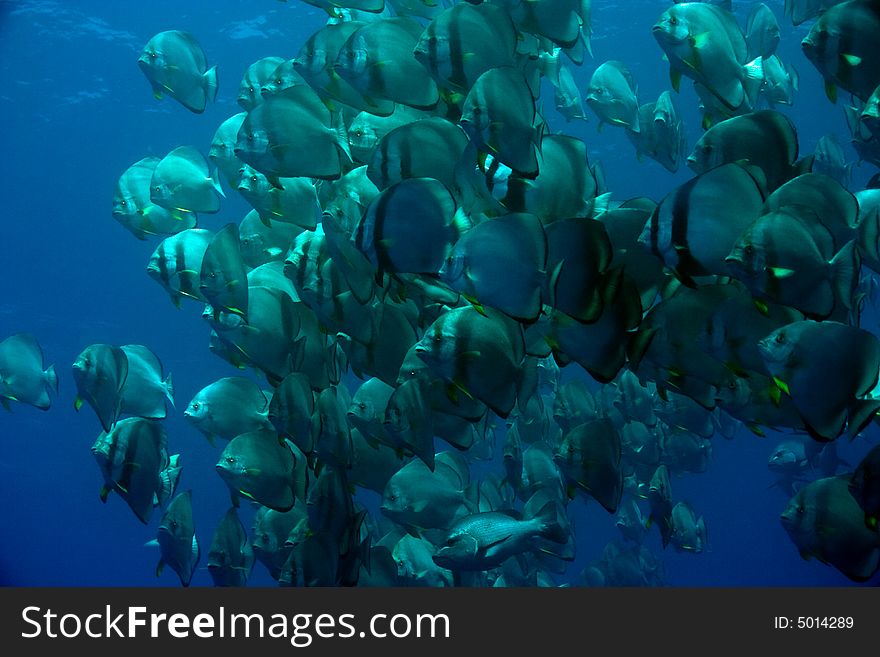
{"x": 251, "y": 89}
{"x": 673, "y": 20}
{"x": 749, "y": 249}
{"x": 253, "y": 179}
{"x": 152, "y": 55}
{"x": 196, "y": 406}
{"x": 278, "y": 81}
{"x": 780, "y": 337}
{"x": 230, "y": 459}
{"x": 123, "y": 204}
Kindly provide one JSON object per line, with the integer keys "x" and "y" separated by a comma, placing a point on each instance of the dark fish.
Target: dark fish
{"x": 827, "y": 368}
{"x": 589, "y": 457}
{"x": 824, "y": 521}
{"x": 177, "y": 539}
{"x": 223, "y": 276}
{"x": 864, "y": 486}
{"x": 499, "y": 117}
{"x": 255, "y": 465}
{"x": 841, "y": 45}
{"x": 132, "y": 457}
{"x": 231, "y": 557}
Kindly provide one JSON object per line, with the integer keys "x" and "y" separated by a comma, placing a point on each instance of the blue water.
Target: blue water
{"x": 76, "y": 112}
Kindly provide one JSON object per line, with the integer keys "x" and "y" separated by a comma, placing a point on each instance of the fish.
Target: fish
{"x": 800, "y": 11}
{"x": 578, "y": 257}
{"x": 762, "y": 32}
{"x": 292, "y": 201}
{"x": 778, "y": 260}
{"x": 231, "y": 555}
{"x": 589, "y": 457}
{"x": 566, "y": 96}
{"x": 175, "y": 64}
{"x": 661, "y": 135}
{"x": 766, "y": 139}
{"x": 393, "y": 242}
{"x": 290, "y": 411}
{"x": 223, "y": 275}
{"x": 177, "y": 540}
{"x": 228, "y": 407}
{"x": 824, "y": 521}
{"x": 484, "y": 540}
{"x": 99, "y": 372}
{"x": 177, "y": 263}
{"x": 316, "y": 64}
{"x": 133, "y": 208}
{"x": 417, "y": 497}
{"x": 261, "y": 244}
{"x": 688, "y": 531}
{"x": 660, "y": 500}
{"x": 292, "y": 134}
{"x": 378, "y": 60}
{"x": 464, "y": 41}
{"x": 864, "y": 486}
{"x": 613, "y": 95}
{"x": 780, "y": 81}
{"x": 704, "y": 43}
{"x": 498, "y": 115}
{"x": 181, "y": 182}
{"x": 415, "y": 564}
{"x": 695, "y": 227}
{"x": 478, "y": 353}
{"x": 830, "y": 160}
{"x": 269, "y": 338}
{"x": 132, "y": 457}
{"x": 255, "y": 77}
{"x": 270, "y": 532}
{"x": 256, "y": 466}
{"x": 839, "y": 45}
{"x": 146, "y": 388}
{"x": 24, "y": 376}
{"x": 427, "y": 148}
{"x": 222, "y": 151}
{"x": 284, "y": 76}
{"x": 827, "y": 368}
{"x": 366, "y": 129}
{"x": 501, "y": 263}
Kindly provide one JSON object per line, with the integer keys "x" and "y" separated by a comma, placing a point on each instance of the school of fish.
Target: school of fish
{"x": 423, "y": 260}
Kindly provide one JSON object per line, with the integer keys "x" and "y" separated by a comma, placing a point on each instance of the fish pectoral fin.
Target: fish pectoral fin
{"x": 780, "y": 272}
{"x": 782, "y": 385}
{"x": 252, "y": 472}
{"x": 77, "y": 404}
{"x": 499, "y": 541}
{"x": 852, "y": 60}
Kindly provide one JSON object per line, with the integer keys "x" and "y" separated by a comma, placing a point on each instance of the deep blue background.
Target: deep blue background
{"x": 76, "y": 112}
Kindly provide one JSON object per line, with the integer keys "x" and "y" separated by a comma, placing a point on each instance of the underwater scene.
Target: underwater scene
{"x": 397, "y": 293}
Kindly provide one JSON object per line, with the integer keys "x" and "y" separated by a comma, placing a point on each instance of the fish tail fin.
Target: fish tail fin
{"x": 215, "y": 183}
{"x": 211, "y": 83}
{"x": 553, "y": 522}
{"x": 860, "y": 414}
{"x": 169, "y": 389}
{"x": 341, "y": 135}
{"x": 51, "y": 378}
{"x": 753, "y": 79}
{"x": 845, "y": 273}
